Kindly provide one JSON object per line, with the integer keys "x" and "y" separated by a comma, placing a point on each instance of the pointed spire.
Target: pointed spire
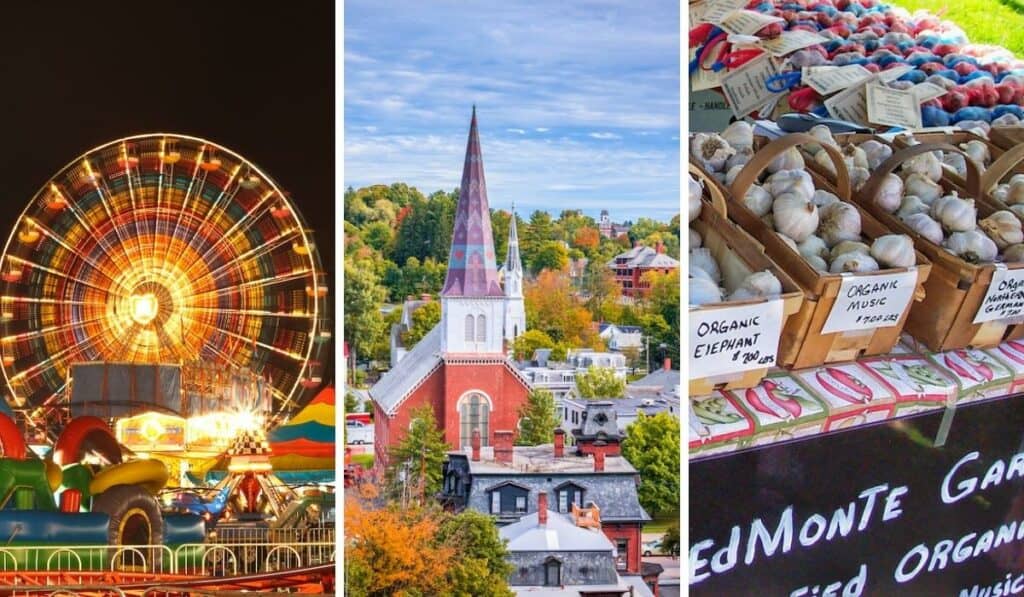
{"x": 512, "y": 262}
{"x": 471, "y": 264}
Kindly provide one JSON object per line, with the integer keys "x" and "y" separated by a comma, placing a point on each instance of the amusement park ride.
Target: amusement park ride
{"x": 163, "y": 305}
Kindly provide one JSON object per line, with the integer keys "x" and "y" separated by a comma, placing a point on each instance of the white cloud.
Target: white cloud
{"x": 542, "y": 129}
{"x": 517, "y": 131}
{"x": 604, "y": 136}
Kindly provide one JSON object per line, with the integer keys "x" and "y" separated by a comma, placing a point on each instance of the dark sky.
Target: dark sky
{"x": 255, "y": 77}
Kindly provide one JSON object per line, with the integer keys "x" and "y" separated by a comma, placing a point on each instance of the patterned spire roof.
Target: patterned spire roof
{"x": 512, "y": 262}
{"x": 471, "y": 265}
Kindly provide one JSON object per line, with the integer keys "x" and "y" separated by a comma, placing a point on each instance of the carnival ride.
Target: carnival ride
{"x": 163, "y": 286}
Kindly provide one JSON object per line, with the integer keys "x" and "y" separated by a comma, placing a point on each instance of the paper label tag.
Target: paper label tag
{"x": 734, "y": 339}
{"x": 1005, "y": 296}
{"x": 894, "y": 107}
{"x": 745, "y": 88}
{"x": 702, "y": 78}
{"x": 894, "y": 73}
{"x": 715, "y": 10}
{"x": 927, "y": 91}
{"x": 837, "y": 79}
{"x": 747, "y": 22}
{"x": 791, "y": 41}
{"x": 697, "y": 10}
{"x": 849, "y": 105}
{"x": 873, "y": 301}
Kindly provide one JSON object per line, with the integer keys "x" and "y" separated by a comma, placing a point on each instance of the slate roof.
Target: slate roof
{"x": 644, "y": 257}
{"x": 559, "y": 534}
{"x": 663, "y": 379}
{"x": 395, "y": 385}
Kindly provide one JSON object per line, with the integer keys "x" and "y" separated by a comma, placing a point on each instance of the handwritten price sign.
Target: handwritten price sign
{"x": 734, "y": 339}
{"x": 1005, "y": 297}
{"x": 873, "y": 301}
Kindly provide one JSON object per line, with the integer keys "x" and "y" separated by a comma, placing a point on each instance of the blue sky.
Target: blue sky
{"x": 577, "y": 103}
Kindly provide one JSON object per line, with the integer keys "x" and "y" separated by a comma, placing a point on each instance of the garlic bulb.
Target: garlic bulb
{"x": 696, "y": 272}
{"x": 790, "y": 181}
{"x": 922, "y": 187}
{"x": 758, "y": 285}
{"x": 711, "y": 150}
{"x": 977, "y": 151}
{"x": 894, "y": 250}
{"x": 890, "y": 193}
{"x": 955, "y": 214}
{"x": 790, "y": 159}
{"x": 924, "y": 225}
{"x": 1014, "y": 254}
{"x": 1001, "y": 193}
{"x": 794, "y": 216}
{"x": 875, "y": 152}
{"x": 822, "y": 198}
{"x": 1003, "y": 227}
{"x": 926, "y": 164}
{"x": 853, "y": 262}
{"x": 1006, "y": 120}
{"x": 702, "y": 259}
{"x": 912, "y": 204}
{"x": 789, "y": 242}
{"x": 696, "y": 190}
{"x": 740, "y": 135}
{"x": 1015, "y": 192}
{"x": 824, "y": 160}
{"x": 703, "y": 291}
{"x": 858, "y": 177}
{"x": 813, "y": 245}
{"x": 695, "y": 240}
{"x": 848, "y": 246}
{"x": 956, "y": 163}
{"x": 731, "y": 175}
{"x": 1018, "y": 209}
{"x": 855, "y": 157}
{"x": 838, "y": 222}
{"x": 824, "y": 136}
{"x": 972, "y": 246}
{"x": 817, "y": 262}
{"x": 758, "y": 200}
{"x": 741, "y": 158}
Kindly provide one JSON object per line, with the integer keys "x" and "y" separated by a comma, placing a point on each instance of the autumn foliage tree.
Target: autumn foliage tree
{"x": 587, "y": 239}
{"x": 552, "y": 307}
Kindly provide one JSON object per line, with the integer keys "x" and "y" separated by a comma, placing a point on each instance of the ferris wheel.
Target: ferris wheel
{"x": 160, "y": 248}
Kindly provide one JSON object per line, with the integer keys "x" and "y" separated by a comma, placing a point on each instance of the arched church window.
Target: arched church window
{"x": 474, "y": 414}
{"x": 469, "y": 328}
{"x": 481, "y": 328}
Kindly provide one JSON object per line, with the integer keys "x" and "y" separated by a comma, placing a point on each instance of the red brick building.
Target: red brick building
{"x": 461, "y": 368}
{"x": 630, "y": 267}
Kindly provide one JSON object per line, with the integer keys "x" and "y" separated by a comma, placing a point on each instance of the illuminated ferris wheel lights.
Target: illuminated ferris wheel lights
{"x": 144, "y": 308}
{"x": 318, "y": 292}
{"x": 29, "y": 235}
{"x": 280, "y": 211}
{"x": 12, "y": 275}
{"x": 211, "y": 164}
{"x": 250, "y": 181}
{"x": 170, "y": 157}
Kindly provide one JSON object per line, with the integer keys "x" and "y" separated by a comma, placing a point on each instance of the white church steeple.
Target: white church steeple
{"x": 515, "y": 311}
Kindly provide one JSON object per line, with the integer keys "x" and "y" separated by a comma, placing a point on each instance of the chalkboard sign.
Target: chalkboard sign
{"x": 878, "y": 510}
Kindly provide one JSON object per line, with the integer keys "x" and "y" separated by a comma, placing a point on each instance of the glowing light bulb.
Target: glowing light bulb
{"x": 144, "y": 308}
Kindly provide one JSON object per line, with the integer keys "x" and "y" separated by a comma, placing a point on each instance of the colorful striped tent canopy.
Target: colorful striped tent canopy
{"x": 306, "y": 442}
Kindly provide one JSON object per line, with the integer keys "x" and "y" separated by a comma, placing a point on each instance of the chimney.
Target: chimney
{"x": 503, "y": 446}
{"x": 659, "y": 247}
{"x": 599, "y": 446}
{"x": 542, "y": 508}
{"x": 668, "y": 364}
{"x": 475, "y": 443}
{"x": 559, "y": 442}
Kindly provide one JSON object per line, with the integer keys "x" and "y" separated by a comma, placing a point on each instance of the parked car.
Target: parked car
{"x": 652, "y": 548}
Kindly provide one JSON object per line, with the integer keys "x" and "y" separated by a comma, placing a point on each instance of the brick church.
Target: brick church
{"x": 462, "y": 367}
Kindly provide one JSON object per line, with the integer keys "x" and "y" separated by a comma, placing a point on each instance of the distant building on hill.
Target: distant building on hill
{"x": 620, "y": 337}
{"x": 630, "y": 266}
{"x": 609, "y": 229}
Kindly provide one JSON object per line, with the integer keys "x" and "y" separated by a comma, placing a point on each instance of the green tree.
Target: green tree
{"x": 600, "y": 382}
{"x": 424, "y": 319}
{"x": 538, "y": 418}
{"x": 364, "y": 324}
{"x": 529, "y": 341}
{"x": 551, "y": 255}
{"x": 480, "y": 567}
{"x": 351, "y": 403}
{"x": 670, "y": 541}
{"x": 426, "y": 230}
{"x": 421, "y": 453}
{"x": 652, "y": 446}
{"x": 500, "y": 223}
{"x": 538, "y": 231}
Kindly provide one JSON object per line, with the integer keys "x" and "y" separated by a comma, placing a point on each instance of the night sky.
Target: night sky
{"x": 254, "y": 77}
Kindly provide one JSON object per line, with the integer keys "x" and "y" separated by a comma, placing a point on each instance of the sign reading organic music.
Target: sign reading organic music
{"x": 874, "y": 301}
{"x": 1005, "y": 296}
{"x": 152, "y": 432}
{"x": 878, "y": 510}
{"x": 734, "y": 339}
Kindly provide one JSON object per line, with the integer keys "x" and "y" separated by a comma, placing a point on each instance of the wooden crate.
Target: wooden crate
{"x": 955, "y": 289}
{"x": 725, "y": 240}
{"x": 803, "y": 343}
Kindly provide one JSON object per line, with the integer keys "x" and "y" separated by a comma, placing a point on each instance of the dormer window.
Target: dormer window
{"x": 567, "y": 495}
{"x": 509, "y": 498}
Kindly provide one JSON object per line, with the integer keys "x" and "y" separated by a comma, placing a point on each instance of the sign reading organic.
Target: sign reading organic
{"x": 734, "y": 339}
{"x": 871, "y": 301}
{"x": 879, "y": 510}
{"x": 1005, "y": 296}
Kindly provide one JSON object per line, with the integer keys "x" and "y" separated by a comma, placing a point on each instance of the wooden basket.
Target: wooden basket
{"x": 955, "y": 289}
{"x": 725, "y": 240}
{"x": 803, "y": 343}
{"x": 1006, "y": 137}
